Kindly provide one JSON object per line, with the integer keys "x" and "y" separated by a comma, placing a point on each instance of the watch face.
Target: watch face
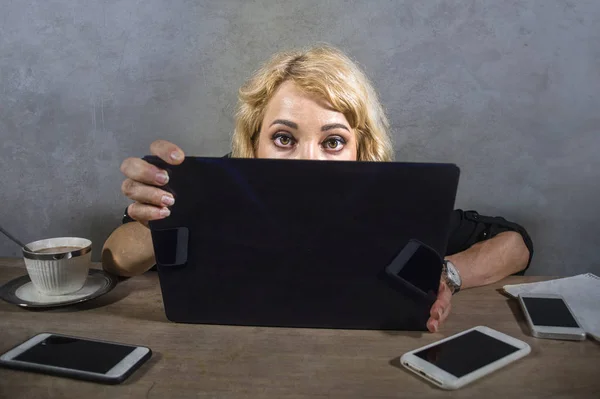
{"x": 453, "y": 274}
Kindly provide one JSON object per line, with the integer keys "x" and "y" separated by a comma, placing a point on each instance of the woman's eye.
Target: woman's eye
{"x": 334, "y": 143}
{"x": 283, "y": 140}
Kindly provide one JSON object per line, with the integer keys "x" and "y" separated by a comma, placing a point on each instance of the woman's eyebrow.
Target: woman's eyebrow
{"x": 285, "y": 122}
{"x": 331, "y": 126}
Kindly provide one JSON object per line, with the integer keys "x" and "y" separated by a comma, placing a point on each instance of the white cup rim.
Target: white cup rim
{"x": 84, "y": 243}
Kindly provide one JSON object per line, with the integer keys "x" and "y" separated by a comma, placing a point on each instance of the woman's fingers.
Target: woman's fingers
{"x": 146, "y": 194}
{"x": 432, "y": 325}
{"x": 144, "y": 213}
{"x": 440, "y": 308}
{"x": 167, "y": 151}
{"x": 143, "y": 180}
{"x": 141, "y": 171}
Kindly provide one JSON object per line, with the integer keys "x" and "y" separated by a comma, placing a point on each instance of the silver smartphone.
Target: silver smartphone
{"x": 458, "y": 360}
{"x": 549, "y": 316}
{"x": 75, "y": 357}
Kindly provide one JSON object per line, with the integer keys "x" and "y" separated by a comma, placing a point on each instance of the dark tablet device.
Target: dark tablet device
{"x": 297, "y": 243}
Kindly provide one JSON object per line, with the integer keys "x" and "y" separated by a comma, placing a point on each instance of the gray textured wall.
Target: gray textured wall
{"x": 509, "y": 90}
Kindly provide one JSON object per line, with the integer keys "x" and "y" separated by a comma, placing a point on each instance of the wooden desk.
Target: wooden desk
{"x": 251, "y": 362}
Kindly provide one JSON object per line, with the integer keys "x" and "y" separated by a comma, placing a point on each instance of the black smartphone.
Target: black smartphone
{"x": 75, "y": 357}
{"x": 417, "y": 269}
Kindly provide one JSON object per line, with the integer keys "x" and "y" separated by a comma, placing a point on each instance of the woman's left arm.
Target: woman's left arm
{"x": 492, "y": 260}
{"x": 484, "y": 262}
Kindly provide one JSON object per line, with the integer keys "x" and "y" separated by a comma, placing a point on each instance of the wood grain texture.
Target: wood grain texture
{"x": 250, "y": 362}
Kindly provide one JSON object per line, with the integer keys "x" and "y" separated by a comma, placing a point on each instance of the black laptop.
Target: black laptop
{"x": 291, "y": 243}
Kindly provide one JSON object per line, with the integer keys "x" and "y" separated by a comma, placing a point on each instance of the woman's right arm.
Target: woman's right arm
{"x": 128, "y": 251}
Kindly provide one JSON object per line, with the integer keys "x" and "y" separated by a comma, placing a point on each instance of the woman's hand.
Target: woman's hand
{"x": 143, "y": 182}
{"x": 440, "y": 308}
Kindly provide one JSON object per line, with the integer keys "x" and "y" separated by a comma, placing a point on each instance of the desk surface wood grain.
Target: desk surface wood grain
{"x": 250, "y": 362}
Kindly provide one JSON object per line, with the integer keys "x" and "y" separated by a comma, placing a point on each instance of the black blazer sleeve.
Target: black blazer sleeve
{"x": 469, "y": 227}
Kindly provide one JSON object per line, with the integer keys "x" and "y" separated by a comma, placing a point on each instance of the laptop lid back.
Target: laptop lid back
{"x": 298, "y": 243}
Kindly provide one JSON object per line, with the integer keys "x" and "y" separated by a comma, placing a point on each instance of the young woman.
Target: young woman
{"x": 314, "y": 104}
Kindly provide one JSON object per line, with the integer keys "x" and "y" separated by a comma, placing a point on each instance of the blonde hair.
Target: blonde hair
{"x": 328, "y": 73}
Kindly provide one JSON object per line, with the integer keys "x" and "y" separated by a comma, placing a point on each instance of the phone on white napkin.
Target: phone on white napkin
{"x": 549, "y": 316}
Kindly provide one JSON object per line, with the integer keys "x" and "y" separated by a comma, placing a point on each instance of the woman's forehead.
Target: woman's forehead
{"x": 292, "y": 100}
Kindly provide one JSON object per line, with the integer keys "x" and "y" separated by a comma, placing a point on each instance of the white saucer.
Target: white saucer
{"x": 22, "y": 292}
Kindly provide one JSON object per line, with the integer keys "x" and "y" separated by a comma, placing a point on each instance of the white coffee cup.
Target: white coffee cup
{"x": 58, "y": 266}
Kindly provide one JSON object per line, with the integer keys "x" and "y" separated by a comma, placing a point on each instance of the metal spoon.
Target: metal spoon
{"x": 6, "y": 233}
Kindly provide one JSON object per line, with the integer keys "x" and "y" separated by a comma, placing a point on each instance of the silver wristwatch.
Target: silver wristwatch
{"x": 452, "y": 276}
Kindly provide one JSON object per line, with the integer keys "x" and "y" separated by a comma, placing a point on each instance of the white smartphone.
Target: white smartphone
{"x": 549, "y": 316}
{"x": 79, "y": 358}
{"x": 460, "y": 359}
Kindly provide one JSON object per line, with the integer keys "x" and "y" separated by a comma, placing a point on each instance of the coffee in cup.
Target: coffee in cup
{"x": 56, "y": 250}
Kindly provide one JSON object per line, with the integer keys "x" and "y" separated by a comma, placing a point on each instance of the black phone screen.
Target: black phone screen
{"x": 550, "y": 312}
{"x": 422, "y": 269}
{"x": 466, "y": 353}
{"x": 76, "y": 354}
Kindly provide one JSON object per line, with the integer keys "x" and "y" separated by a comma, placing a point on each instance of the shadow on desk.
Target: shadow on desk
{"x": 397, "y": 363}
{"x": 514, "y": 307}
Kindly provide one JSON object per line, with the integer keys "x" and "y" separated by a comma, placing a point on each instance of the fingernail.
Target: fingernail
{"x": 167, "y": 200}
{"x": 162, "y": 177}
{"x": 164, "y": 212}
{"x": 434, "y": 324}
{"x": 175, "y": 155}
